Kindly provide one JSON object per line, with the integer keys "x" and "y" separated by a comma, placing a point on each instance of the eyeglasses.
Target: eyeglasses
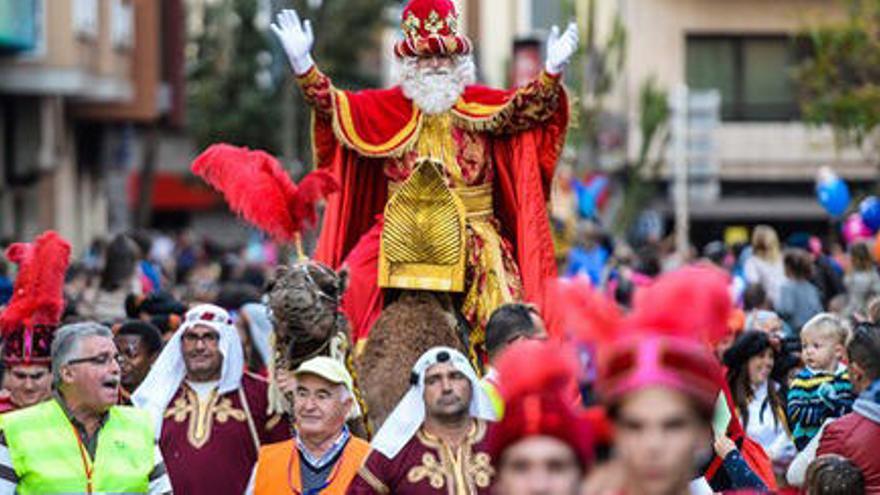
{"x": 102, "y": 359}
{"x": 207, "y": 338}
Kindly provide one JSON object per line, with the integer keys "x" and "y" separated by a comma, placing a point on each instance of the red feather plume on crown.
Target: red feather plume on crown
{"x": 37, "y": 302}
{"x": 259, "y": 190}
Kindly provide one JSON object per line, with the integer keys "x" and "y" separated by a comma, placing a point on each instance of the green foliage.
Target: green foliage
{"x": 653, "y": 116}
{"x": 840, "y": 82}
{"x": 345, "y": 31}
{"x": 641, "y": 174}
{"x": 225, "y": 101}
{"x": 346, "y": 49}
{"x": 237, "y": 69}
{"x": 603, "y": 64}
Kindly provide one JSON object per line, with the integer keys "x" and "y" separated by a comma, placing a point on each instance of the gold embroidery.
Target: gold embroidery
{"x": 201, "y": 415}
{"x": 463, "y": 470}
{"x": 480, "y": 470}
{"x": 423, "y": 241}
{"x": 435, "y": 141}
{"x": 180, "y": 410}
{"x": 429, "y": 468}
{"x": 372, "y": 480}
{"x": 434, "y": 24}
{"x": 224, "y": 411}
{"x": 411, "y": 25}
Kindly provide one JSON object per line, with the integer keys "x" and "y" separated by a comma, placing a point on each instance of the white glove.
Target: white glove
{"x": 297, "y": 39}
{"x": 561, "y": 48}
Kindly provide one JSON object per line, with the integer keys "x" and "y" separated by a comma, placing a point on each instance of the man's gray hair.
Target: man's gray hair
{"x": 66, "y": 343}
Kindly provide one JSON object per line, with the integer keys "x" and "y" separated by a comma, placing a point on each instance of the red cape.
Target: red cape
{"x": 369, "y": 126}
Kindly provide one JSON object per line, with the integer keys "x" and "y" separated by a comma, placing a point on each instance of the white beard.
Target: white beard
{"x": 435, "y": 92}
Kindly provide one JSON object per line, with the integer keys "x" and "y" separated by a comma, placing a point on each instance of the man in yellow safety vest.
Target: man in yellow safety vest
{"x": 80, "y": 441}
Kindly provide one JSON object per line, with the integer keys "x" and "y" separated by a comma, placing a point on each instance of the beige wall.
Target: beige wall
{"x": 657, "y": 28}
{"x": 656, "y": 32}
{"x": 71, "y": 64}
{"x": 496, "y": 28}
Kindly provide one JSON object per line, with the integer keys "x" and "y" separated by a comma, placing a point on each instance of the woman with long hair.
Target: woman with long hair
{"x": 756, "y": 396}
{"x": 764, "y": 266}
{"x": 119, "y": 278}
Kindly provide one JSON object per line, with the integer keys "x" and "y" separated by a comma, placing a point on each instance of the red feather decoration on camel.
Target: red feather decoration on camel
{"x": 258, "y": 189}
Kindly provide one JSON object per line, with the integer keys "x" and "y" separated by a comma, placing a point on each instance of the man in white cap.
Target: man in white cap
{"x": 211, "y": 416}
{"x": 323, "y": 457}
{"x": 434, "y": 440}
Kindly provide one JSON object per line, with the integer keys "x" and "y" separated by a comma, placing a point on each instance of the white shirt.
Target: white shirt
{"x": 203, "y": 389}
{"x": 765, "y": 429}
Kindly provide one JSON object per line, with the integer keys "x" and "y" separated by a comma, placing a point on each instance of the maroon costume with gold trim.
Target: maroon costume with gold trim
{"x": 427, "y": 466}
{"x": 208, "y": 446}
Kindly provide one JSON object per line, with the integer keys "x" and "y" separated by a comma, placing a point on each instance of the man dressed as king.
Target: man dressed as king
{"x": 444, "y": 182}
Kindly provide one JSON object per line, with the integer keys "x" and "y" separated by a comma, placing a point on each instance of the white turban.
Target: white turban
{"x": 169, "y": 370}
{"x": 408, "y": 416}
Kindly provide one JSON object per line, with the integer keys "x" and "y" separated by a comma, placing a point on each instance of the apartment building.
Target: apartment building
{"x": 747, "y": 50}
{"x": 79, "y": 81}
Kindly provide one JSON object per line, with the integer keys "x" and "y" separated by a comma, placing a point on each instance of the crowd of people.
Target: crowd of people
{"x": 630, "y": 410}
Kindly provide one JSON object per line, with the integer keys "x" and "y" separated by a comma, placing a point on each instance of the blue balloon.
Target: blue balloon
{"x": 588, "y": 194}
{"x": 870, "y": 211}
{"x": 833, "y": 195}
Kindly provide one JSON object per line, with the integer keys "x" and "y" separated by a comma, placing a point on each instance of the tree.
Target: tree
{"x": 840, "y": 81}
{"x": 240, "y": 85}
{"x": 601, "y": 64}
{"x": 347, "y": 39}
{"x": 641, "y": 175}
{"x": 229, "y": 97}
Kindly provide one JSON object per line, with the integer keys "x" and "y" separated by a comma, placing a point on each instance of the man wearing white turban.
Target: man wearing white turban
{"x": 434, "y": 440}
{"x": 210, "y": 415}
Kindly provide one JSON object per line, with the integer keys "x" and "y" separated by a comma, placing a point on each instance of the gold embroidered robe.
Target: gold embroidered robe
{"x": 428, "y": 466}
{"x": 211, "y": 447}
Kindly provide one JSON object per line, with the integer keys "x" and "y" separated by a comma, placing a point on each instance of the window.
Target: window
{"x": 121, "y": 23}
{"x": 85, "y": 18}
{"x": 753, "y": 75}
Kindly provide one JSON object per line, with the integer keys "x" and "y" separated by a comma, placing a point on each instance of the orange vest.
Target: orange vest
{"x": 278, "y": 459}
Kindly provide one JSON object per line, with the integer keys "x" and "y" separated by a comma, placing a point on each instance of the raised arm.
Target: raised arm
{"x": 297, "y": 39}
{"x": 537, "y": 101}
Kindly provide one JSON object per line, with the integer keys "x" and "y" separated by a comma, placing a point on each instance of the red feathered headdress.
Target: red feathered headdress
{"x": 257, "y": 188}
{"x": 540, "y": 400}
{"x": 28, "y": 322}
{"x": 664, "y": 341}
